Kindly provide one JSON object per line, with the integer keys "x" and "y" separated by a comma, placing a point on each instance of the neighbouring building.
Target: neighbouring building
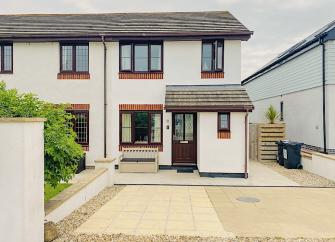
{"x": 165, "y": 80}
{"x": 300, "y": 83}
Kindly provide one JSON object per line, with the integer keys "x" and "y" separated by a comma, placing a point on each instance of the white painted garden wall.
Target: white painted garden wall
{"x": 320, "y": 164}
{"x": 21, "y": 180}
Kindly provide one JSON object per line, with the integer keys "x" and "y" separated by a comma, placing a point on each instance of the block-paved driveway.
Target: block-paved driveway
{"x": 217, "y": 211}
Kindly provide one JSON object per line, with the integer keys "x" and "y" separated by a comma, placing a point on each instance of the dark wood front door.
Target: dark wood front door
{"x": 184, "y": 139}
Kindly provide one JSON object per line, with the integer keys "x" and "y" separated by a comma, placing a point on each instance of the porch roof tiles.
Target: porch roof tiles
{"x": 207, "y": 98}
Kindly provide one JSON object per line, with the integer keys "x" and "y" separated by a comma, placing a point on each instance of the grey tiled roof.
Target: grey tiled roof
{"x": 119, "y": 24}
{"x": 207, "y": 97}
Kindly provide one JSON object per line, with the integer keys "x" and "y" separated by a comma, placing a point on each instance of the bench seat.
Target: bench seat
{"x": 139, "y": 160}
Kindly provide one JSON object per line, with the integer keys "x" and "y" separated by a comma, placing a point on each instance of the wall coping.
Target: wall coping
{"x": 22, "y": 120}
{"x": 105, "y": 160}
{"x": 331, "y": 157}
{"x": 87, "y": 177}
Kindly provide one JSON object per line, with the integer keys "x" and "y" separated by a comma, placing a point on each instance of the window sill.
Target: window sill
{"x": 85, "y": 147}
{"x": 146, "y": 75}
{"x": 224, "y": 134}
{"x": 6, "y": 72}
{"x": 73, "y": 75}
{"x": 159, "y": 146}
{"x": 210, "y": 75}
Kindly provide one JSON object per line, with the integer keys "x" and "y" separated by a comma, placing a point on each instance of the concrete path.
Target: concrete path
{"x": 280, "y": 212}
{"x": 144, "y": 210}
{"x": 260, "y": 175}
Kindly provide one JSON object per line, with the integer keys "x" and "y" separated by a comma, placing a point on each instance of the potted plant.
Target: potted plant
{"x": 272, "y": 114}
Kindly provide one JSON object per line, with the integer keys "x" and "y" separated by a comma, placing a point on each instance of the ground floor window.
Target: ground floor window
{"x": 81, "y": 126}
{"x": 140, "y": 127}
{"x": 224, "y": 121}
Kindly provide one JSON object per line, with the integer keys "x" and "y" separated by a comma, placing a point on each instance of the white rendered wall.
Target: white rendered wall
{"x": 221, "y": 155}
{"x": 21, "y": 181}
{"x": 182, "y": 66}
{"x": 35, "y": 68}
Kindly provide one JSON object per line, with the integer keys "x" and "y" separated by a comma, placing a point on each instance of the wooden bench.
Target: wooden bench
{"x": 139, "y": 160}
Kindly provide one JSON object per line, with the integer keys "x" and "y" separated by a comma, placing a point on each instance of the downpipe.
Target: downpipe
{"x": 105, "y": 96}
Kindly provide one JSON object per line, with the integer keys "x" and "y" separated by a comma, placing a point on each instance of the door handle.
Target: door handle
{"x": 184, "y": 142}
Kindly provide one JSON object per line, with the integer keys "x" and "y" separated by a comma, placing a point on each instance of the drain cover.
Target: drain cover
{"x": 248, "y": 199}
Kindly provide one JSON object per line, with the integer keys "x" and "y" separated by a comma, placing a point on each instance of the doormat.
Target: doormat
{"x": 185, "y": 170}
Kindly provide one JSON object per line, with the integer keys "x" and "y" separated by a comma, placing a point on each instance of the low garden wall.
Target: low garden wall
{"x": 320, "y": 164}
{"x": 88, "y": 185}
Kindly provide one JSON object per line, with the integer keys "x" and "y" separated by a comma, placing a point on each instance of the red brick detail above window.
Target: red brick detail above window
{"x": 160, "y": 147}
{"x": 125, "y": 75}
{"x": 79, "y": 107}
{"x": 208, "y": 75}
{"x": 79, "y": 76}
{"x": 223, "y": 134}
{"x": 140, "y": 107}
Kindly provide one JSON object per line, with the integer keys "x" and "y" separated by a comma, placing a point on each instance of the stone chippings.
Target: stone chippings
{"x": 69, "y": 224}
{"x": 302, "y": 177}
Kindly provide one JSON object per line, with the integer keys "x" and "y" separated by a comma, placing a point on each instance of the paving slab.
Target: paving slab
{"x": 171, "y": 210}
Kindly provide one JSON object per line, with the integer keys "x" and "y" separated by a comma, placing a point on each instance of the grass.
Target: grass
{"x": 50, "y": 192}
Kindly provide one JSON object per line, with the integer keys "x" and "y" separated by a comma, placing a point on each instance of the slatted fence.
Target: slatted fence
{"x": 263, "y": 139}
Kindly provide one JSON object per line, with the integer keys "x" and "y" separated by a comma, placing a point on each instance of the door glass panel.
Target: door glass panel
{"x": 189, "y": 127}
{"x": 179, "y": 127}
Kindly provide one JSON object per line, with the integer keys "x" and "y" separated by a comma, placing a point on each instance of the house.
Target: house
{"x": 164, "y": 80}
{"x": 300, "y": 83}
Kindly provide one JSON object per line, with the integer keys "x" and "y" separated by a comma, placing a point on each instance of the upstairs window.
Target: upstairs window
{"x": 6, "y": 58}
{"x": 212, "y": 56}
{"x": 74, "y": 57}
{"x": 141, "y": 57}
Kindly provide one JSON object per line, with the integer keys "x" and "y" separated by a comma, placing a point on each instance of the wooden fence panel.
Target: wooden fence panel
{"x": 263, "y": 139}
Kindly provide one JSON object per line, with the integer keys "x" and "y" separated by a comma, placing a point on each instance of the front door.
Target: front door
{"x": 184, "y": 145}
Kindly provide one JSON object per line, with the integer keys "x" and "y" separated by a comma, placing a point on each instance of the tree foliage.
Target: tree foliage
{"x": 272, "y": 114}
{"x": 61, "y": 152}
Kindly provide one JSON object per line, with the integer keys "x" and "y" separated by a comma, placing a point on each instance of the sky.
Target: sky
{"x": 277, "y": 24}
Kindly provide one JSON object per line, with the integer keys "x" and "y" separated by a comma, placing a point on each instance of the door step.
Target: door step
{"x": 185, "y": 170}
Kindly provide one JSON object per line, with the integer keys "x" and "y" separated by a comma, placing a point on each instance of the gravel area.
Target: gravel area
{"x": 69, "y": 224}
{"x": 302, "y": 177}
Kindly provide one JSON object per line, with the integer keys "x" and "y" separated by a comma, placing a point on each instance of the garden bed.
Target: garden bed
{"x": 50, "y": 192}
{"x": 302, "y": 177}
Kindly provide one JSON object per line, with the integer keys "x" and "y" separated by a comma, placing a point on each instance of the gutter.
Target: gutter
{"x": 324, "y": 123}
{"x": 246, "y": 145}
{"x": 105, "y": 96}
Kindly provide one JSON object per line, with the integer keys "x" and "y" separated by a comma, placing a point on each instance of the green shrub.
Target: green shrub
{"x": 271, "y": 114}
{"x": 61, "y": 151}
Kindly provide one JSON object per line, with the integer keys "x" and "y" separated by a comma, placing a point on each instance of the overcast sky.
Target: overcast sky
{"x": 277, "y": 24}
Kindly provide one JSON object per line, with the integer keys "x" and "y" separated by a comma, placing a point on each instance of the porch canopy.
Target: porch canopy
{"x": 207, "y": 98}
